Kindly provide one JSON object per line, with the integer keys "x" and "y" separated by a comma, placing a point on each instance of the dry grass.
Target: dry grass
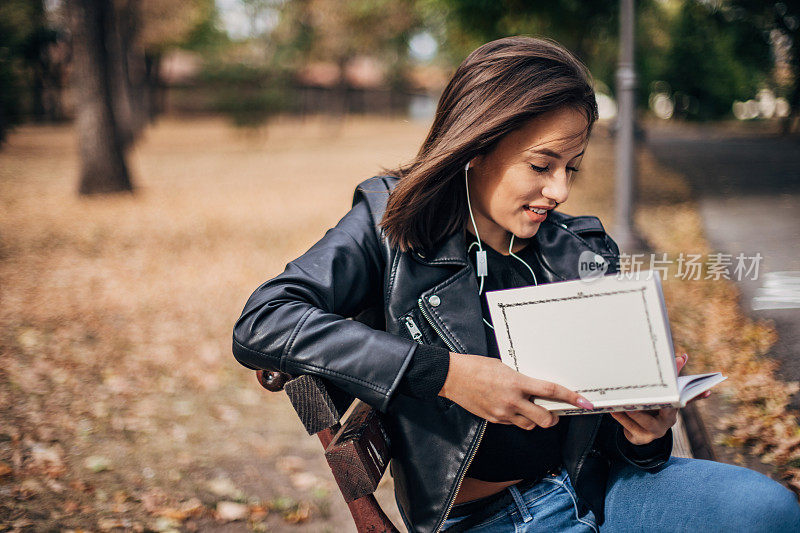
{"x": 120, "y": 402}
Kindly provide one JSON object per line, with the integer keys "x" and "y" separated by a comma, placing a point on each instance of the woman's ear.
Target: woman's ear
{"x": 475, "y": 161}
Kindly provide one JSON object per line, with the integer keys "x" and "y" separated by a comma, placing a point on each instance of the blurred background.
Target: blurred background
{"x": 159, "y": 159}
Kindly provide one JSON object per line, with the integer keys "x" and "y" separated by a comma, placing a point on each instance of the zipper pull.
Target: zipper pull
{"x": 416, "y": 334}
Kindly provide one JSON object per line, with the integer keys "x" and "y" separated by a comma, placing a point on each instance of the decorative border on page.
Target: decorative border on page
{"x": 579, "y": 296}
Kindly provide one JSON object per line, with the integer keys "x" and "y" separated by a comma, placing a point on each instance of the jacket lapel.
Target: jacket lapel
{"x": 454, "y": 305}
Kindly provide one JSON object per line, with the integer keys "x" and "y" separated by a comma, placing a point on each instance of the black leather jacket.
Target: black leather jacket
{"x": 298, "y": 322}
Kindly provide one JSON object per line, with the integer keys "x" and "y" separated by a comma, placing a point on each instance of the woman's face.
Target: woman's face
{"x": 531, "y": 166}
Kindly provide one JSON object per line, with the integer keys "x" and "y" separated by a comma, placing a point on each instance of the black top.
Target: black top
{"x": 506, "y": 452}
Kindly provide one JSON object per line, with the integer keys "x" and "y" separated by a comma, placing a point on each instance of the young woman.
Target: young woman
{"x": 411, "y": 262}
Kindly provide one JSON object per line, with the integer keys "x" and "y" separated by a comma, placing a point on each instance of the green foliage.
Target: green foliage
{"x": 248, "y": 95}
{"x": 653, "y": 43}
{"x": 19, "y": 20}
{"x": 713, "y": 62}
{"x": 10, "y": 84}
{"x": 707, "y": 56}
{"x": 585, "y": 28}
{"x": 206, "y": 36}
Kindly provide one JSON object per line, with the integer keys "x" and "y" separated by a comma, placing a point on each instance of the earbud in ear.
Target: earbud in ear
{"x": 467, "y": 167}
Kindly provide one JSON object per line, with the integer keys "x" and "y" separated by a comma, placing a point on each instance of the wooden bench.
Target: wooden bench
{"x": 356, "y": 448}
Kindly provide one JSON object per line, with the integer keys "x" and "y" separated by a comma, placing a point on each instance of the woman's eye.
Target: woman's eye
{"x": 545, "y": 169}
{"x": 540, "y": 169}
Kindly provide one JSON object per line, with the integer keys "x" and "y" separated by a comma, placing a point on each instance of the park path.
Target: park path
{"x": 747, "y": 188}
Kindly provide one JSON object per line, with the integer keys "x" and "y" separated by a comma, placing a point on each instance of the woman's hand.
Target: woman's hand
{"x": 490, "y": 389}
{"x": 642, "y": 427}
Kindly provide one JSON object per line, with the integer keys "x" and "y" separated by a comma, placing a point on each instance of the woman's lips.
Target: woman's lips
{"x": 535, "y": 217}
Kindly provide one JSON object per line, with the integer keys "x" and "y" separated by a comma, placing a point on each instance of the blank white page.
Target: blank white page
{"x": 606, "y": 338}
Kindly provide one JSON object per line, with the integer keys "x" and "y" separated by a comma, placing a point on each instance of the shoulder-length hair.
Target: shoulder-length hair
{"x": 496, "y": 89}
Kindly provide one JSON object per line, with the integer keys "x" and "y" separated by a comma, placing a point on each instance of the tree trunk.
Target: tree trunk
{"x": 103, "y": 167}
{"x": 154, "y": 100}
{"x": 124, "y": 59}
{"x": 117, "y": 50}
{"x": 3, "y": 126}
{"x": 136, "y": 67}
{"x": 36, "y": 54}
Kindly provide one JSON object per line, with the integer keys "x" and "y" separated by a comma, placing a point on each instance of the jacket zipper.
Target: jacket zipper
{"x": 474, "y": 449}
{"x": 461, "y": 478}
{"x": 433, "y": 325}
{"x": 416, "y": 334}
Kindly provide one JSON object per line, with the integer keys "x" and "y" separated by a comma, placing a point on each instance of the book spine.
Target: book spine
{"x": 614, "y": 408}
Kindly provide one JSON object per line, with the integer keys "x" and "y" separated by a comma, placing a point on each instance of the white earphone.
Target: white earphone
{"x": 481, "y": 261}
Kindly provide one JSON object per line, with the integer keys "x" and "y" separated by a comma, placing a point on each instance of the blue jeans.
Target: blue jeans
{"x": 680, "y": 495}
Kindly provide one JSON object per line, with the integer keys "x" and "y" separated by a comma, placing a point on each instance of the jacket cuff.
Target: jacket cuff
{"x": 646, "y": 456}
{"x": 427, "y": 372}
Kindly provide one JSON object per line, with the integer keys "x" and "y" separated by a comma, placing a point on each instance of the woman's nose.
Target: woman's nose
{"x": 557, "y": 188}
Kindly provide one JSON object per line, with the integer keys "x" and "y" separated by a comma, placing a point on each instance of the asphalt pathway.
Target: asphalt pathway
{"x": 748, "y": 190}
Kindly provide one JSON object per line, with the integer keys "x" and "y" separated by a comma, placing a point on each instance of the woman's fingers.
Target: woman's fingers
{"x": 494, "y": 391}
{"x": 680, "y": 362}
{"x": 537, "y": 414}
{"x": 654, "y": 424}
{"x": 553, "y": 391}
{"x": 523, "y": 422}
{"x": 706, "y": 394}
{"x": 628, "y": 423}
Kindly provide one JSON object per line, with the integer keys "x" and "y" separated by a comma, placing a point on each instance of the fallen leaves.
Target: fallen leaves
{"x": 708, "y": 323}
{"x": 231, "y": 511}
{"x": 292, "y": 511}
{"x": 190, "y": 508}
{"x": 115, "y": 324}
{"x": 223, "y": 486}
{"x": 97, "y": 463}
{"x": 70, "y": 506}
{"x": 299, "y": 514}
{"x": 109, "y": 524}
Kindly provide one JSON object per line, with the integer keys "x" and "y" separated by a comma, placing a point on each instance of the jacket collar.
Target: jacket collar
{"x": 458, "y": 306}
{"x": 452, "y": 251}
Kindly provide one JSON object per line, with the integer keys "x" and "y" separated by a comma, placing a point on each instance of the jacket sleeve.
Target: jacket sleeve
{"x": 615, "y": 446}
{"x": 298, "y": 322}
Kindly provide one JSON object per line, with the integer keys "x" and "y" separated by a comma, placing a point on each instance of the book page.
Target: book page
{"x": 692, "y": 386}
{"x": 606, "y": 338}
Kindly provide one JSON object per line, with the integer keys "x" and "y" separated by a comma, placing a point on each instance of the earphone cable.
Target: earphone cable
{"x": 481, "y": 253}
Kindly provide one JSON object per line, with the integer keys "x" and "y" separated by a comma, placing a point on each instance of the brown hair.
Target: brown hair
{"x": 496, "y": 89}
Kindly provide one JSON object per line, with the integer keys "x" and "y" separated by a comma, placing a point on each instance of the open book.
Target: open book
{"x": 607, "y": 338}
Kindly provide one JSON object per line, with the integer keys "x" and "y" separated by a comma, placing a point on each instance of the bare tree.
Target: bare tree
{"x": 125, "y": 82}
{"x": 102, "y": 148}
{"x": 114, "y": 42}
